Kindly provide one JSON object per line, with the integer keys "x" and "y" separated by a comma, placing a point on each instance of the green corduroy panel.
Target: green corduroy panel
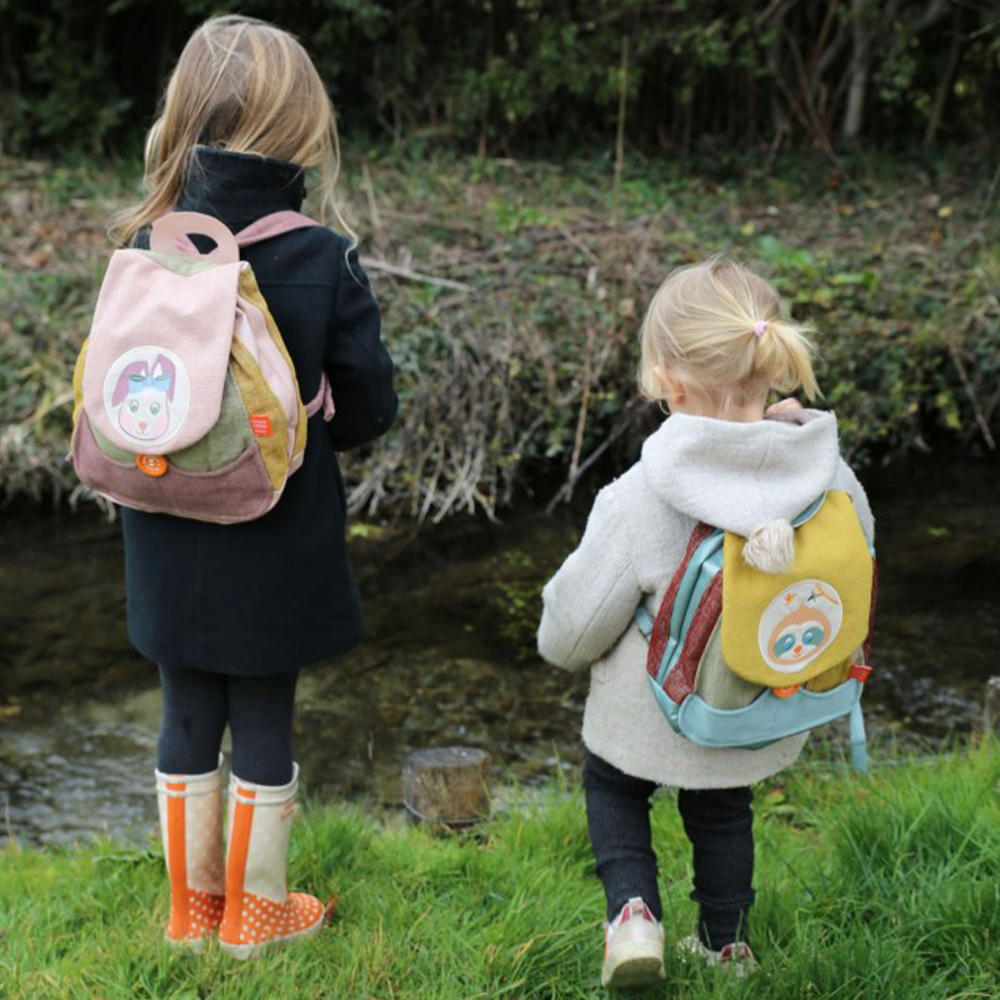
{"x": 715, "y": 683}
{"x": 226, "y": 441}
{"x": 182, "y": 264}
{"x": 109, "y": 449}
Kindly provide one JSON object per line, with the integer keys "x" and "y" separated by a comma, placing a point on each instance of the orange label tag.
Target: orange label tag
{"x": 260, "y": 424}
{"x": 785, "y": 692}
{"x": 152, "y": 465}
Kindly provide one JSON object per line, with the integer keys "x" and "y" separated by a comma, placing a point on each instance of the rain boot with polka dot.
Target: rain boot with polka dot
{"x": 260, "y": 911}
{"x": 191, "y": 827}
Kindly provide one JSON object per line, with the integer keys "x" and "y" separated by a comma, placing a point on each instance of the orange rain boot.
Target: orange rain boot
{"x": 260, "y": 911}
{"x": 191, "y": 828}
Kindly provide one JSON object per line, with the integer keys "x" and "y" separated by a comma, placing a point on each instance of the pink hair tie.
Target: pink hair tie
{"x": 759, "y": 327}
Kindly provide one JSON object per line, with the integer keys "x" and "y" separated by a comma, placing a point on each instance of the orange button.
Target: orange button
{"x": 152, "y": 465}
{"x": 785, "y": 692}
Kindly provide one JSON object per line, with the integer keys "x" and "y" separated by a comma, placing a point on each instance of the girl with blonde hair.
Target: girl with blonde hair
{"x": 231, "y": 613}
{"x": 714, "y": 344}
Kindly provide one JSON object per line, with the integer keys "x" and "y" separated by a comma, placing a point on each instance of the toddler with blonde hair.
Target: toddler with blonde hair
{"x": 714, "y": 345}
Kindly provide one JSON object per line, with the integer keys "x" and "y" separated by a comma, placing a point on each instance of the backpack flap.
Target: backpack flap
{"x": 810, "y": 620}
{"x": 160, "y": 342}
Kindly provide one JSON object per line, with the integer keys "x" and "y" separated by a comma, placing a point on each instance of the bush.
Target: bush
{"x": 504, "y": 74}
{"x": 514, "y": 324}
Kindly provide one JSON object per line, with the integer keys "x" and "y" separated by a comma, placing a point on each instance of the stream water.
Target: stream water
{"x": 449, "y": 655}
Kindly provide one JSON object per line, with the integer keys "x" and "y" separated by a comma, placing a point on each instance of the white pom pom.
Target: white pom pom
{"x": 771, "y": 547}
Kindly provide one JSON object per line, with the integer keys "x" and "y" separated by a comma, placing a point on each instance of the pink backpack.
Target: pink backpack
{"x": 186, "y": 400}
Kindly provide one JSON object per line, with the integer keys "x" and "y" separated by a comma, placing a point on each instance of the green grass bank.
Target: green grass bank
{"x": 873, "y": 887}
{"x": 512, "y": 294}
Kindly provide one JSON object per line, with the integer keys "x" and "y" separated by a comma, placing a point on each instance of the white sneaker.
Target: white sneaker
{"x": 633, "y": 947}
{"x": 736, "y": 957}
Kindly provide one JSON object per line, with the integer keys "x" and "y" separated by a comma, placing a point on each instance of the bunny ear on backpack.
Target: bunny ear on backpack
{"x": 171, "y": 234}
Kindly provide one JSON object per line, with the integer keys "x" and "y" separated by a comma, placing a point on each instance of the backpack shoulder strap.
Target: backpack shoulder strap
{"x": 275, "y": 224}
{"x": 644, "y": 620}
{"x": 659, "y": 632}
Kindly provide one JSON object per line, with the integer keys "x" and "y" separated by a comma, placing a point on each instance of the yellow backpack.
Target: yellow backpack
{"x": 741, "y": 658}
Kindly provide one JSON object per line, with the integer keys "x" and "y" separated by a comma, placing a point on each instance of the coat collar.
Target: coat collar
{"x": 239, "y": 188}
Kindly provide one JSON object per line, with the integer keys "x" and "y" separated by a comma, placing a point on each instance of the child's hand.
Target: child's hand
{"x": 783, "y": 406}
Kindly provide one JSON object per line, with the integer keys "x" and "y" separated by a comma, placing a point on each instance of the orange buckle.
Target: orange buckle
{"x": 152, "y": 465}
{"x": 859, "y": 671}
{"x": 785, "y": 692}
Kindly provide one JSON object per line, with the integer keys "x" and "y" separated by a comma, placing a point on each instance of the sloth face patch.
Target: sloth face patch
{"x": 799, "y": 624}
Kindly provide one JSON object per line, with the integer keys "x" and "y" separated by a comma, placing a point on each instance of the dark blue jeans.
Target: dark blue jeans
{"x": 197, "y": 707}
{"x": 719, "y": 824}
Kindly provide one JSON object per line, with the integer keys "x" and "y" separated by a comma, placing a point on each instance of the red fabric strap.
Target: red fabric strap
{"x": 661, "y": 626}
{"x": 680, "y": 681}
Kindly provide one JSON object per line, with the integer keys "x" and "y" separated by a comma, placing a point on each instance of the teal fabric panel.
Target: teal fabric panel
{"x": 811, "y": 511}
{"x": 859, "y": 745}
{"x": 766, "y": 719}
{"x": 667, "y": 707}
{"x": 644, "y": 620}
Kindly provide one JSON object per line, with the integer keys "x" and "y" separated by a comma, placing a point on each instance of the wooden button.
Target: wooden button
{"x": 152, "y": 465}
{"x": 785, "y": 692}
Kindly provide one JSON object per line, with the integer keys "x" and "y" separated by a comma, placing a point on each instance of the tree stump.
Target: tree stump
{"x": 991, "y": 707}
{"x": 449, "y": 785}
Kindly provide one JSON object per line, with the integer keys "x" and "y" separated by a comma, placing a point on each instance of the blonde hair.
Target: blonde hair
{"x": 245, "y": 86}
{"x": 717, "y": 327}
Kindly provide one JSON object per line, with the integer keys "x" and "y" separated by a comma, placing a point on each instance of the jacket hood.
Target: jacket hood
{"x": 740, "y": 476}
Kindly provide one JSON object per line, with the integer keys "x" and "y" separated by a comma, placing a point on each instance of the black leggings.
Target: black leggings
{"x": 719, "y": 824}
{"x": 197, "y": 705}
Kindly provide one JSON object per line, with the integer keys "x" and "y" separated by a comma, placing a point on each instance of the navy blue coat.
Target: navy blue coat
{"x": 277, "y": 593}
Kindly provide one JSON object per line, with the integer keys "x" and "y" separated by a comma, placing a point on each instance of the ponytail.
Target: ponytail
{"x": 784, "y": 356}
{"x": 718, "y": 327}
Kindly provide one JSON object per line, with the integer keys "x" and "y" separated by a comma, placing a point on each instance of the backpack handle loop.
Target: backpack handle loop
{"x": 170, "y": 235}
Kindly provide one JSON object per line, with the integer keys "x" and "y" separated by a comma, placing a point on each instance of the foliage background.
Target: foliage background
{"x": 513, "y": 326}
{"x": 500, "y": 74}
{"x": 523, "y": 174}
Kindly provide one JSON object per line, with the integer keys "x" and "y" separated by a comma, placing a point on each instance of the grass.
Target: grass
{"x": 872, "y": 887}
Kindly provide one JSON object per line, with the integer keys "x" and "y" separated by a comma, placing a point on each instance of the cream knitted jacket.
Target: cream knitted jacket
{"x": 736, "y": 476}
